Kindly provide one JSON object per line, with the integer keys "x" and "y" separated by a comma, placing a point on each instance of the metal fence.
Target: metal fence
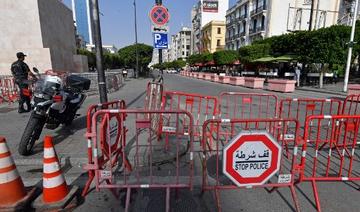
{"x": 114, "y": 81}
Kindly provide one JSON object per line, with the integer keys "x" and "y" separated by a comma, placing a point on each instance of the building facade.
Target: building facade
{"x": 109, "y": 48}
{"x": 346, "y": 12}
{"x": 81, "y": 15}
{"x": 202, "y": 13}
{"x": 181, "y": 44}
{"x": 249, "y": 20}
{"x": 213, "y": 36}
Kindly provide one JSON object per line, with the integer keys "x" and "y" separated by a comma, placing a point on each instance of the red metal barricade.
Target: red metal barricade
{"x": 106, "y": 155}
{"x": 214, "y": 177}
{"x": 299, "y": 109}
{"x": 200, "y": 106}
{"x": 331, "y": 151}
{"x": 153, "y": 99}
{"x": 234, "y": 105}
{"x": 351, "y": 105}
{"x": 9, "y": 90}
{"x": 149, "y": 159}
{"x": 154, "y": 93}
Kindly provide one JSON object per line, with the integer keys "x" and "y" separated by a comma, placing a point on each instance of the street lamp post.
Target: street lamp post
{"x": 136, "y": 43}
{"x": 351, "y": 45}
{"x": 99, "y": 51}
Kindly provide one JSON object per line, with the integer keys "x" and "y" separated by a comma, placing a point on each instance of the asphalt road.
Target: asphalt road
{"x": 71, "y": 148}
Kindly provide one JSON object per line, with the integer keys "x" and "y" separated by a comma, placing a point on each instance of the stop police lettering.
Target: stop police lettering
{"x": 251, "y": 166}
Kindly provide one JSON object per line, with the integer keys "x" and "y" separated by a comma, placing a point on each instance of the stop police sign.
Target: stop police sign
{"x": 251, "y": 158}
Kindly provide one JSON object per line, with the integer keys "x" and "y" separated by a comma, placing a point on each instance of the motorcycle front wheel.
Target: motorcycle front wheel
{"x": 31, "y": 134}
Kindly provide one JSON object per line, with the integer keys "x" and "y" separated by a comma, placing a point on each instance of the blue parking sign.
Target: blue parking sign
{"x": 160, "y": 40}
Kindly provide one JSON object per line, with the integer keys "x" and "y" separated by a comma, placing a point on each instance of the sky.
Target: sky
{"x": 117, "y": 22}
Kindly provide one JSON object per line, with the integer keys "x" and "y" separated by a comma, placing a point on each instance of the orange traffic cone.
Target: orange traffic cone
{"x": 13, "y": 195}
{"x": 56, "y": 194}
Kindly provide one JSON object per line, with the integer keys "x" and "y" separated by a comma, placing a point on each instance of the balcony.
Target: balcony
{"x": 242, "y": 33}
{"x": 257, "y": 30}
{"x": 219, "y": 48}
{"x": 260, "y": 29}
{"x": 259, "y": 10}
{"x": 242, "y": 17}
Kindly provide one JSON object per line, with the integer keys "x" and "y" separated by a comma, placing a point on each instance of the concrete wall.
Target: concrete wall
{"x": 43, "y": 29}
{"x": 58, "y": 33}
{"x": 80, "y": 64}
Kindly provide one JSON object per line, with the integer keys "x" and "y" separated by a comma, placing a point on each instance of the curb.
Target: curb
{"x": 322, "y": 91}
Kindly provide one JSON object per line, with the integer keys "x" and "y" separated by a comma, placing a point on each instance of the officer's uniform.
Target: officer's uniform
{"x": 20, "y": 71}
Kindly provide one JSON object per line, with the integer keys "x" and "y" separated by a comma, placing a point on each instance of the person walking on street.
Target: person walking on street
{"x": 21, "y": 71}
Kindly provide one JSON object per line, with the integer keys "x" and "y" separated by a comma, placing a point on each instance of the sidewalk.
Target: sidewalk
{"x": 334, "y": 89}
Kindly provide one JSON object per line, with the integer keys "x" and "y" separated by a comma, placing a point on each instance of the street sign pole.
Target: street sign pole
{"x": 351, "y": 44}
{"x": 136, "y": 44}
{"x": 99, "y": 51}
{"x": 159, "y": 2}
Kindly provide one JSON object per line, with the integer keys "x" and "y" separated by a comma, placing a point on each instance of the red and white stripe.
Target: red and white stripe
{"x": 8, "y": 171}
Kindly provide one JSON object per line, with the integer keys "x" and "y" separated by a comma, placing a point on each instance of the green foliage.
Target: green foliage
{"x": 206, "y": 57}
{"x": 253, "y": 52}
{"x": 193, "y": 59}
{"x": 225, "y": 57}
{"x": 90, "y": 55}
{"x": 176, "y": 64}
{"x": 128, "y": 56}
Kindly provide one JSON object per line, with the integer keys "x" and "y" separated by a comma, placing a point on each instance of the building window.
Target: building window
{"x": 218, "y": 42}
{"x": 219, "y": 30}
{"x": 237, "y": 44}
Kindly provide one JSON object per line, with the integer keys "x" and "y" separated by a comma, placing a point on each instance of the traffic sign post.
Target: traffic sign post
{"x": 160, "y": 40}
{"x": 251, "y": 158}
{"x": 160, "y": 16}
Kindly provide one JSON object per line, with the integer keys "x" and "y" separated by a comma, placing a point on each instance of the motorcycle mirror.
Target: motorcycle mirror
{"x": 35, "y": 70}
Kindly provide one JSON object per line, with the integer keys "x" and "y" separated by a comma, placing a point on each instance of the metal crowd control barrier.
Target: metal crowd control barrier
{"x": 103, "y": 159}
{"x": 9, "y": 91}
{"x": 153, "y": 164}
{"x": 214, "y": 177}
{"x": 234, "y": 105}
{"x": 331, "y": 151}
{"x": 299, "y": 109}
{"x": 153, "y": 97}
{"x": 114, "y": 80}
{"x": 200, "y": 106}
{"x": 351, "y": 105}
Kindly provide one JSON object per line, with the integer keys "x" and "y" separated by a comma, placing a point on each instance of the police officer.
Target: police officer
{"x": 20, "y": 70}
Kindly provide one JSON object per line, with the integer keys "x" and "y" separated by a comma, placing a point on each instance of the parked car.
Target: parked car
{"x": 171, "y": 71}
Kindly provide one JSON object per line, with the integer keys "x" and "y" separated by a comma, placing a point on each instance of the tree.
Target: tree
{"x": 249, "y": 53}
{"x": 226, "y": 57}
{"x": 193, "y": 59}
{"x": 128, "y": 56}
{"x": 206, "y": 57}
{"x": 90, "y": 55}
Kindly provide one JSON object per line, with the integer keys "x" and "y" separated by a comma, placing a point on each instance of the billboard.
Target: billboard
{"x": 211, "y": 6}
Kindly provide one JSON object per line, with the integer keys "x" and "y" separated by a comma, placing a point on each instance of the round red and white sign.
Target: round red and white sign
{"x": 251, "y": 158}
{"x": 159, "y": 15}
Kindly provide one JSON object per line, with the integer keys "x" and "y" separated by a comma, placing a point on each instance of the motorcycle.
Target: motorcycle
{"x": 53, "y": 103}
